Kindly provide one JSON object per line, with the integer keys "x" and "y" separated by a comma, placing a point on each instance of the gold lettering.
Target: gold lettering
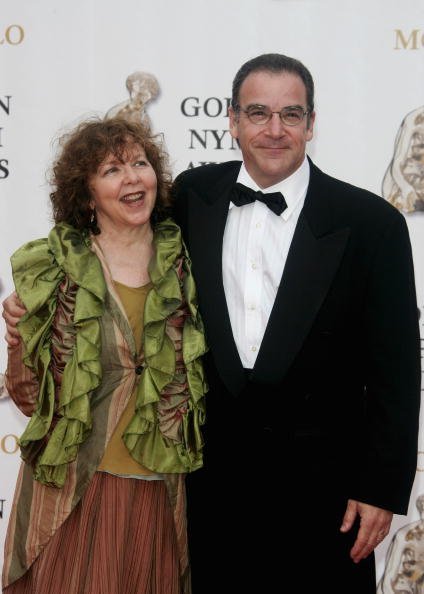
{"x": 9, "y": 444}
{"x": 14, "y": 35}
{"x": 403, "y": 43}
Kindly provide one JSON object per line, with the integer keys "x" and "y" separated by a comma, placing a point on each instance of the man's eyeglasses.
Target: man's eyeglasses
{"x": 260, "y": 114}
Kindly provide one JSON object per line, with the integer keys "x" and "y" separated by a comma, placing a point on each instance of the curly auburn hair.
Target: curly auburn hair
{"x": 84, "y": 149}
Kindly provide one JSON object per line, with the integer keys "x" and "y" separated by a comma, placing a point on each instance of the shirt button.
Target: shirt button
{"x": 139, "y": 369}
{"x": 253, "y": 349}
{"x": 254, "y": 265}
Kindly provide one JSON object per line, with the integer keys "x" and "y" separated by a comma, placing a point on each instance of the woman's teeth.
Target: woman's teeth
{"x": 132, "y": 197}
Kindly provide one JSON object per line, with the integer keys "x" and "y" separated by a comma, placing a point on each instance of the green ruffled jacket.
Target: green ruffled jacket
{"x": 61, "y": 423}
{"x": 74, "y": 310}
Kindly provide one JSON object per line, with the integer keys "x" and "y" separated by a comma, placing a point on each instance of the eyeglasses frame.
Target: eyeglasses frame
{"x": 305, "y": 112}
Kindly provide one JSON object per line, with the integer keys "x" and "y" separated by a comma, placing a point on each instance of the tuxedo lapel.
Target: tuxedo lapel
{"x": 206, "y": 225}
{"x": 313, "y": 259}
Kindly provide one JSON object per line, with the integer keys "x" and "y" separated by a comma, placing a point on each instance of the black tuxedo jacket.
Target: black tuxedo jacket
{"x": 338, "y": 371}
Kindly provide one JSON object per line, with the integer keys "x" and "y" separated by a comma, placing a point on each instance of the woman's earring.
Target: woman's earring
{"x": 94, "y": 228}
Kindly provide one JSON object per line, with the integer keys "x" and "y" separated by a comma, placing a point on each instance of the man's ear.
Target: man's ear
{"x": 233, "y": 122}
{"x": 310, "y": 125}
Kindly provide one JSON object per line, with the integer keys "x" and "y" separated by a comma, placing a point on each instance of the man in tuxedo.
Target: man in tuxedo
{"x": 309, "y": 306}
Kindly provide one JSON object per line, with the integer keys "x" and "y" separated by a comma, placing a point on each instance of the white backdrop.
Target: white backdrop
{"x": 62, "y": 61}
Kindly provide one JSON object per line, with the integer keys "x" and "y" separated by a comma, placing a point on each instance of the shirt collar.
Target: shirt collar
{"x": 293, "y": 187}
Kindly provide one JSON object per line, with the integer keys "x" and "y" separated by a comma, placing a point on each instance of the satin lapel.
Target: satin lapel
{"x": 206, "y": 225}
{"x": 313, "y": 259}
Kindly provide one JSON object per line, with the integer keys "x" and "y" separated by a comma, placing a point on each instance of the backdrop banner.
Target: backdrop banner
{"x": 172, "y": 63}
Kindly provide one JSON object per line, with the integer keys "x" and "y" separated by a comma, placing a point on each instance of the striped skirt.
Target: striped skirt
{"x": 119, "y": 539}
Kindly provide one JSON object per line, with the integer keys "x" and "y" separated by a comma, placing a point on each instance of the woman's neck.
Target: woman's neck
{"x": 128, "y": 254}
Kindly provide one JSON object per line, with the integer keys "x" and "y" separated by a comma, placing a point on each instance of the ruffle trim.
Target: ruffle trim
{"x": 56, "y": 429}
{"x": 173, "y": 291}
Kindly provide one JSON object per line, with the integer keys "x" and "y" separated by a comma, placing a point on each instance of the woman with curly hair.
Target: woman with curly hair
{"x": 109, "y": 371}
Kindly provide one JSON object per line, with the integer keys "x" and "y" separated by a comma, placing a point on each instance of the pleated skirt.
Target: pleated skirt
{"x": 120, "y": 539}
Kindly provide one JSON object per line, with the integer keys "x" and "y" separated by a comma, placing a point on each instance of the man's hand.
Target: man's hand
{"x": 13, "y": 310}
{"x": 374, "y": 526}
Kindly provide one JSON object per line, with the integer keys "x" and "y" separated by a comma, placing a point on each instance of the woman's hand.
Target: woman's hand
{"x": 13, "y": 310}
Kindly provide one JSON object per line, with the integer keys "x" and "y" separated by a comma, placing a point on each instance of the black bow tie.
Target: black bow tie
{"x": 243, "y": 195}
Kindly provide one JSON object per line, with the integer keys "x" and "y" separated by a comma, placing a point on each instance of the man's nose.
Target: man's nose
{"x": 275, "y": 126}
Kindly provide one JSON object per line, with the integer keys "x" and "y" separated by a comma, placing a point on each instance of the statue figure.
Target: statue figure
{"x": 142, "y": 88}
{"x": 404, "y": 571}
{"x": 403, "y": 183}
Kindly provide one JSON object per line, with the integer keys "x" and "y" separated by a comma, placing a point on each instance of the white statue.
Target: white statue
{"x": 142, "y": 87}
{"x": 403, "y": 183}
{"x": 404, "y": 570}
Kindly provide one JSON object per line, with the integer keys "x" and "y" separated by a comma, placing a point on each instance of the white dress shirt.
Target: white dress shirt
{"x": 255, "y": 247}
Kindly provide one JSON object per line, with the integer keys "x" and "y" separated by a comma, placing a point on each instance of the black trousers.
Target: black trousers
{"x": 258, "y": 526}
{"x": 265, "y": 511}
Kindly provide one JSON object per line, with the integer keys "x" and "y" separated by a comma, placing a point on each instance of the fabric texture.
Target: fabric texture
{"x": 116, "y": 458}
{"x": 66, "y": 286}
{"x": 38, "y": 269}
{"x": 120, "y": 539}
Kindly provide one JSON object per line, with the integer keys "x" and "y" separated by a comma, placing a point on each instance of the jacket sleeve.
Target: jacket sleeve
{"x": 21, "y": 382}
{"x": 393, "y": 374}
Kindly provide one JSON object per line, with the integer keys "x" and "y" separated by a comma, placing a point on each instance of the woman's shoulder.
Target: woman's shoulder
{"x": 45, "y": 251}
{"x": 41, "y": 264}
{"x": 30, "y": 256}
{"x": 59, "y": 233}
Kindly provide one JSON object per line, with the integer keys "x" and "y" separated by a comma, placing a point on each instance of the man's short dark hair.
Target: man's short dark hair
{"x": 275, "y": 63}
